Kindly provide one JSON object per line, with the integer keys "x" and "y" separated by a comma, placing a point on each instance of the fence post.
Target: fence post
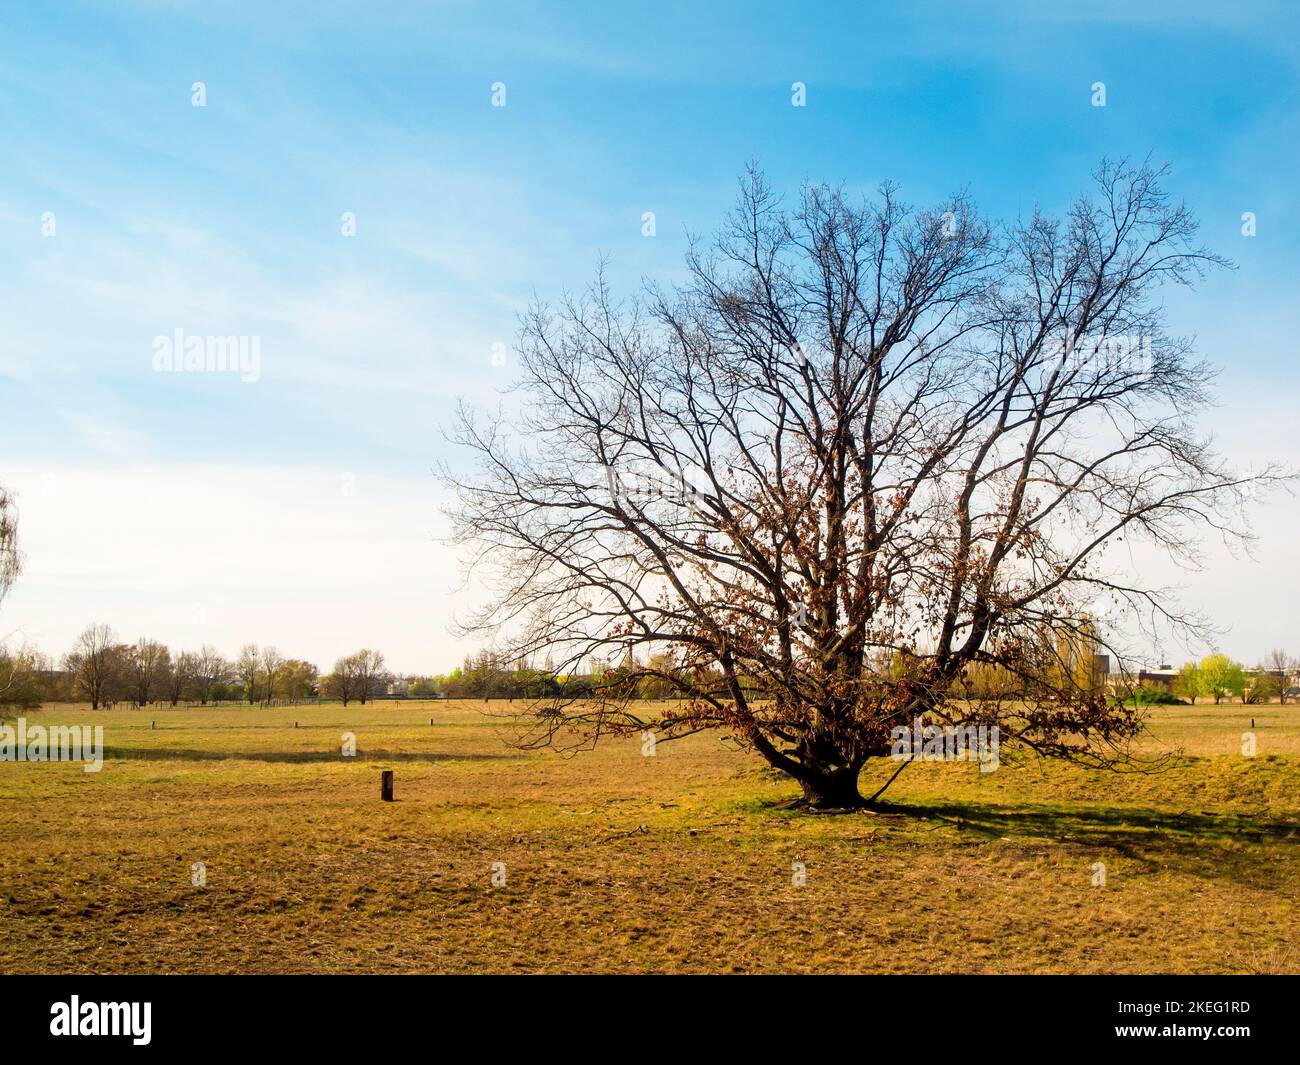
{"x": 386, "y": 785}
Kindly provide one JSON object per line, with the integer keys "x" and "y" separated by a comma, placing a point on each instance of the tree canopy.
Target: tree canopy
{"x": 862, "y": 450}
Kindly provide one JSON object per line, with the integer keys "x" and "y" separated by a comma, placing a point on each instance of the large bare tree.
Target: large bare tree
{"x": 862, "y": 451}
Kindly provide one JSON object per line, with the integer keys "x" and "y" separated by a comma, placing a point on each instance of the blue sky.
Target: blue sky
{"x": 300, "y": 509}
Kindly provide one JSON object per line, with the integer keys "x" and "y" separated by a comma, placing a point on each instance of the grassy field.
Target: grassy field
{"x": 680, "y": 862}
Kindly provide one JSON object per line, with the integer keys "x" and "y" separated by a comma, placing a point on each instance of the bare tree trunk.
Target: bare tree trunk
{"x": 835, "y": 789}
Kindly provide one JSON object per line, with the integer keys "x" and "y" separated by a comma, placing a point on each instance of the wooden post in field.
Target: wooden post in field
{"x": 386, "y": 785}
{"x": 153, "y": 725}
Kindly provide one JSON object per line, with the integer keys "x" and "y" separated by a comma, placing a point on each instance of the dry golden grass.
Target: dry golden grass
{"x": 617, "y": 862}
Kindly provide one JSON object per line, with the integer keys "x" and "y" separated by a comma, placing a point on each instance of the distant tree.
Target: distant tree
{"x": 1279, "y": 665}
{"x": 1149, "y": 694}
{"x": 10, "y": 559}
{"x": 181, "y": 676}
{"x": 453, "y": 685}
{"x": 1221, "y": 677}
{"x": 225, "y": 690}
{"x": 20, "y": 678}
{"x": 147, "y": 664}
{"x": 211, "y": 671}
{"x": 370, "y": 675}
{"x": 270, "y": 663}
{"x": 1263, "y": 687}
{"x": 247, "y": 667}
{"x": 1073, "y": 656}
{"x": 1187, "y": 684}
{"x": 424, "y": 688}
{"x": 97, "y": 663}
{"x": 19, "y": 684}
{"x": 485, "y": 675}
{"x": 56, "y": 685}
{"x": 529, "y": 684}
{"x": 987, "y": 681}
{"x": 297, "y": 679}
{"x": 658, "y": 680}
{"x": 343, "y": 682}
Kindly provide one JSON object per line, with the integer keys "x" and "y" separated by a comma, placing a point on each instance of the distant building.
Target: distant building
{"x": 1100, "y": 670}
{"x": 1162, "y": 677}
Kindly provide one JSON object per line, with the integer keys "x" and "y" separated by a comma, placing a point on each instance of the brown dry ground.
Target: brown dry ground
{"x": 681, "y": 862}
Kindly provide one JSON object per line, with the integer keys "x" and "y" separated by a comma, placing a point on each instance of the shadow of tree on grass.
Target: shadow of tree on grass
{"x": 1203, "y": 843}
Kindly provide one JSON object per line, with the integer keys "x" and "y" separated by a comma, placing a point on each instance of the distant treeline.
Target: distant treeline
{"x": 104, "y": 671}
